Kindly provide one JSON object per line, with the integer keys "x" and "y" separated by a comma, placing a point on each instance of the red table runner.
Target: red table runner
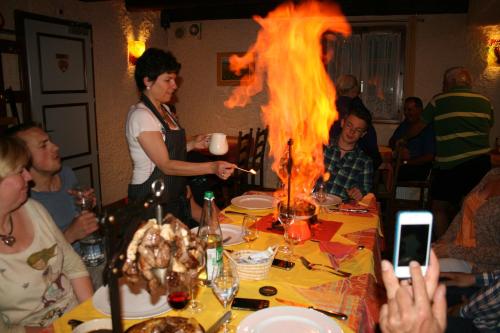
{"x": 322, "y": 230}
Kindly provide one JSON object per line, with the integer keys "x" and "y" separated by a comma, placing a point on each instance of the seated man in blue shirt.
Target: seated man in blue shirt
{"x": 52, "y": 182}
{"x": 350, "y": 169}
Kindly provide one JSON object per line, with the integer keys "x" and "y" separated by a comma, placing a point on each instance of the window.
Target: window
{"x": 375, "y": 55}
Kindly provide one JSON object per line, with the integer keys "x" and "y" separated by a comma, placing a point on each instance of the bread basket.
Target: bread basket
{"x": 252, "y": 271}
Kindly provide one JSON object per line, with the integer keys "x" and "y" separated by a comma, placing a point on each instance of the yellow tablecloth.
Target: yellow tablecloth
{"x": 288, "y": 283}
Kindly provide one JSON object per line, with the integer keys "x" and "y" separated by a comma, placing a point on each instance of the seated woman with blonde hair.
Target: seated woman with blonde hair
{"x": 42, "y": 276}
{"x": 473, "y": 239}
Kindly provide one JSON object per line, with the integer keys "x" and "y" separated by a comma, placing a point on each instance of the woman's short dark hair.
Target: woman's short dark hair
{"x": 417, "y": 101}
{"x": 152, "y": 63}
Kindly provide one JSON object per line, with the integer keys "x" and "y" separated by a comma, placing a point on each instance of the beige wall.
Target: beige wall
{"x": 441, "y": 41}
{"x": 114, "y": 87}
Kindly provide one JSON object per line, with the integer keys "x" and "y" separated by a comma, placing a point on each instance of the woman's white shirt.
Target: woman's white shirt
{"x": 140, "y": 119}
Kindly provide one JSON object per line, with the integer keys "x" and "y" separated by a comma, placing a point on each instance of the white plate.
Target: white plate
{"x": 288, "y": 319}
{"x": 134, "y": 306}
{"x": 94, "y": 324}
{"x": 228, "y": 230}
{"x": 330, "y": 200}
{"x": 255, "y": 201}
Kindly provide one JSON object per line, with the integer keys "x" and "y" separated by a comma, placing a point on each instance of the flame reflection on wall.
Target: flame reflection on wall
{"x": 301, "y": 106}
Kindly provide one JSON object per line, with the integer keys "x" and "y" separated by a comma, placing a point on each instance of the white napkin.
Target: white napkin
{"x": 255, "y": 257}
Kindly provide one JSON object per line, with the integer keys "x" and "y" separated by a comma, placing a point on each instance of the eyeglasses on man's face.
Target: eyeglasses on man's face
{"x": 358, "y": 130}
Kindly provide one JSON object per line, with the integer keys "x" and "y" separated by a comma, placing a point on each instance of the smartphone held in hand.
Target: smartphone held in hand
{"x": 412, "y": 241}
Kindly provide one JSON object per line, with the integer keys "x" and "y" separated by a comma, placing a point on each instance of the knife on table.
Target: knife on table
{"x": 240, "y": 213}
{"x": 215, "y": 327}
{"x": 350, "y": 210}
{"x": 337, "y": 315}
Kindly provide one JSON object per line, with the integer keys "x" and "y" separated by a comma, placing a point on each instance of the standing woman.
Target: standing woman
{"x": 41, "y": 275}
{"x": 157, "y": 142}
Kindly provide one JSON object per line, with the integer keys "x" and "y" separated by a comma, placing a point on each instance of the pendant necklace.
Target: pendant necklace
{"x": 8, "y": 239}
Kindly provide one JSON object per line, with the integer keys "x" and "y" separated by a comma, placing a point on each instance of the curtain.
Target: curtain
{"x": 374, "y": 57}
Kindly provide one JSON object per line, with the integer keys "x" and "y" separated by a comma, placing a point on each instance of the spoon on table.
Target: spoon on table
{"x": 252, "y": 171}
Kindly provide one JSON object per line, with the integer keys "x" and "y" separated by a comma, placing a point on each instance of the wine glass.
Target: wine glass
{"x": 195, "y": 306}
{"x": 286, "y": 216}
{"x": 225, "y": 286}
{"x": 320, "y": 193}
{"x": 294, "y": 234}
{"x": 177, "y": 285}
{"x": 248, "y": 230}
{"x": 84, "y": 197}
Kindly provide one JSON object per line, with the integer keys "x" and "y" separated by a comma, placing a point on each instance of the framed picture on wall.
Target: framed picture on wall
{"x": 225, "y": 77}
{"x": 62, "y": 64}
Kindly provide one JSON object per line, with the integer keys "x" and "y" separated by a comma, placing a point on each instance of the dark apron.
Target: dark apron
{"x": 174, "y": 199}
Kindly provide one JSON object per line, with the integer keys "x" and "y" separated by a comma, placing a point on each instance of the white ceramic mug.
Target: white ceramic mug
{"x": 218, "y": 144}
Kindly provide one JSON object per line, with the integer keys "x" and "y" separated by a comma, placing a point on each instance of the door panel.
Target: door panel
{"x": 63, "y": 121}
{"x": 61, "y": 86}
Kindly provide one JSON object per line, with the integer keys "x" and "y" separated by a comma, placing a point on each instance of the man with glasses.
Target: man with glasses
{"x": 350, "y": 169}
{"x": 348, "y": 91}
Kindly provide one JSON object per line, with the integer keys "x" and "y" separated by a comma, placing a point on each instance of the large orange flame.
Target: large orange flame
{"x": 301, "y": 107}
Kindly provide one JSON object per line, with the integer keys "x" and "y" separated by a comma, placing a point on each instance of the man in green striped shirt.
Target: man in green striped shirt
{"x": 462, "y": 120}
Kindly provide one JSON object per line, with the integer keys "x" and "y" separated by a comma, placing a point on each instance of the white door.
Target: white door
{"x": 61, "y": 87}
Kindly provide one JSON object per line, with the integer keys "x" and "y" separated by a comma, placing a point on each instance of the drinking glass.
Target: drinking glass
{"x": 194, "y": 305}
{"x": 294, "y": 235}
{"x": 286, "y": 216}
{"x": 248, "y": 230}
{"x": 225, "y": 286}
{"x": 320, "y": 193}
{"x": 177, "y": 285}
{"x": 92, "y": 246}
{"x": 92, "y": 249}
{"x": 84, "y": 197}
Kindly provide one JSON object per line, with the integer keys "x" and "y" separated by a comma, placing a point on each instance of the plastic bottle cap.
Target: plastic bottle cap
{"x": 268, "y": 290}
{"x": 209, "y": 195}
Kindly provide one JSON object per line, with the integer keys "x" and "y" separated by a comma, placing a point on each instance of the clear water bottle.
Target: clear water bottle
{"x": 211, "y": 233}
{"x": 92, "y": 249}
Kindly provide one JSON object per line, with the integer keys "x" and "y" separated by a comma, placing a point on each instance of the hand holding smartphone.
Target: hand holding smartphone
{"x": 412, "y": 241}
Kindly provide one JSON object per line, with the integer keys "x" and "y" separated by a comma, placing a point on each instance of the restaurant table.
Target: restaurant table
{"x": 356, "y": 296}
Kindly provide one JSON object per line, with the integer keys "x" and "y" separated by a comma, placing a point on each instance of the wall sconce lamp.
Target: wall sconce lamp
{"x": 494, "y": 51}
{"x": 135, "y": 49}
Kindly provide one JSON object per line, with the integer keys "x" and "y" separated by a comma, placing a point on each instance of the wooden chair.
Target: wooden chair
{"x": 386, "y": 193}
{"x": 258, "y": 157}
{"x": 244, "y": 149}
{"x": 423, "y": 186}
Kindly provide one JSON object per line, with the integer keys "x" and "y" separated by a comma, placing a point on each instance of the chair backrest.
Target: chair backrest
{"x": 423, "y": 187}
{"x": 244, "y": 151}
{"x": 258, "y": 155}
{"x": 245, "y": 143}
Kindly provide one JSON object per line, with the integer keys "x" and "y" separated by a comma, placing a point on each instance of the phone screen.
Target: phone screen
{"x": 413, "y": 244}
{"x": 412, "y": 241}
{"x": 252, "y": 304}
